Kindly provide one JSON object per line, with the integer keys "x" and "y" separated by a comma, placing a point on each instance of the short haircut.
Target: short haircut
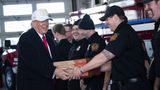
{"x": 123, "y": 18}
{"x": 156, "y": 0}
{"x": 68, "y": 25}
{"x": 59, "y": 28}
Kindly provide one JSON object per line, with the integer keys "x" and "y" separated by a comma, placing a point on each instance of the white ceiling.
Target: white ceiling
{"x": 5, "y": 2}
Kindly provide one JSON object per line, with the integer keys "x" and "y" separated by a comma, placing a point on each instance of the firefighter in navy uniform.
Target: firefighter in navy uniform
{"x": 124, "y": 50}
{"x": 152, "y": 9}
{"x": 77, "y": 51}
{"x": 128, "y": 68}
{"x": 96, "y": 45}
{"x": 80, "y": 43}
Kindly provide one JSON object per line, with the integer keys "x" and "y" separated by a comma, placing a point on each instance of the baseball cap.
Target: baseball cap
{"x": 146, "y": 1}
{"x": 40, "y": 15}
{"x": 110, "y": 11}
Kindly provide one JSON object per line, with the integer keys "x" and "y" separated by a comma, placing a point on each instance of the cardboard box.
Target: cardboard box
{"x": 77, "y": 63}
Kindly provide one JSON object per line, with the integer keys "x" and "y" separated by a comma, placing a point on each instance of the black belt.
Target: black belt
{"x": 131, "y": 80}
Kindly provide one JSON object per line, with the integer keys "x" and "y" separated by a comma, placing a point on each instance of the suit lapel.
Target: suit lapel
{"x": 40, "y": 43}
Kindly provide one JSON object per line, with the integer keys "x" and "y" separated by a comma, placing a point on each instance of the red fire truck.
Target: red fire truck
{"x": 10, "y": 62}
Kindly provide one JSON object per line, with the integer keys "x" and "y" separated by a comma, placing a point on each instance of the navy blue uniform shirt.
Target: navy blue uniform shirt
{"x": 129, "y": 58}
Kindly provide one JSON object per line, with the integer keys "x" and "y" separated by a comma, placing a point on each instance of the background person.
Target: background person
{"x": 62, "y": 44}
{"x": 68, "y": 29}
{"x": 152, "y": 9}
{"x": 62, "y": 47}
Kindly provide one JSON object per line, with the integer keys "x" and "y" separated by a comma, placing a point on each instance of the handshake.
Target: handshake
{"x": 68, "y": 73}
{"x": 67, "y": 70}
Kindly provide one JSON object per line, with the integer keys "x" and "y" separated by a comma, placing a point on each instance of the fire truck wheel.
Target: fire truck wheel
{"x": 9, "y": 78}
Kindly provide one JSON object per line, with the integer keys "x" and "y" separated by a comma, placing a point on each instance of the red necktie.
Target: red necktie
{"x": 45, "y": 42}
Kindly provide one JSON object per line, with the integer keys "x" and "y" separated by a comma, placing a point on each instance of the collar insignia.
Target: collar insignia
{"x": 78, "y": 48}
{"x": 88, "y": 47}
{"x": 158, "y": 29}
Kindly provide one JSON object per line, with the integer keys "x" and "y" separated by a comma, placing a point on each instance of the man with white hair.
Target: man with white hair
{"x": 36, "y": 55}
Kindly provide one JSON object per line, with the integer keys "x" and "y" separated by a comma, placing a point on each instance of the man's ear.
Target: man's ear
{"x": 115, "y": 17}
{"x": 55, "y": 34}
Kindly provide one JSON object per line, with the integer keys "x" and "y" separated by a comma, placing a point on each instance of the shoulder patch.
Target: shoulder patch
{"x": 94, "y": 46}
{"x": 114, "y": 37}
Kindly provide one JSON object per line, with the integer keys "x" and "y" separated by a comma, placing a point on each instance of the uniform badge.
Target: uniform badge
{"x": 114, "y": 37}
{"x": 158, "y": 29}
{"x": 78, "y": 48}
{"x": 88, "y": 47}
{"x": 94, "y": 46}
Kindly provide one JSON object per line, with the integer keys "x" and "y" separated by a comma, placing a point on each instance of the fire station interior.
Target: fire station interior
{"x": 15, "y": 19}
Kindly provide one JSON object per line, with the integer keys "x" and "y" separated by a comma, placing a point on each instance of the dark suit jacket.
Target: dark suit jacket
{"x": 35, "y": 66}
